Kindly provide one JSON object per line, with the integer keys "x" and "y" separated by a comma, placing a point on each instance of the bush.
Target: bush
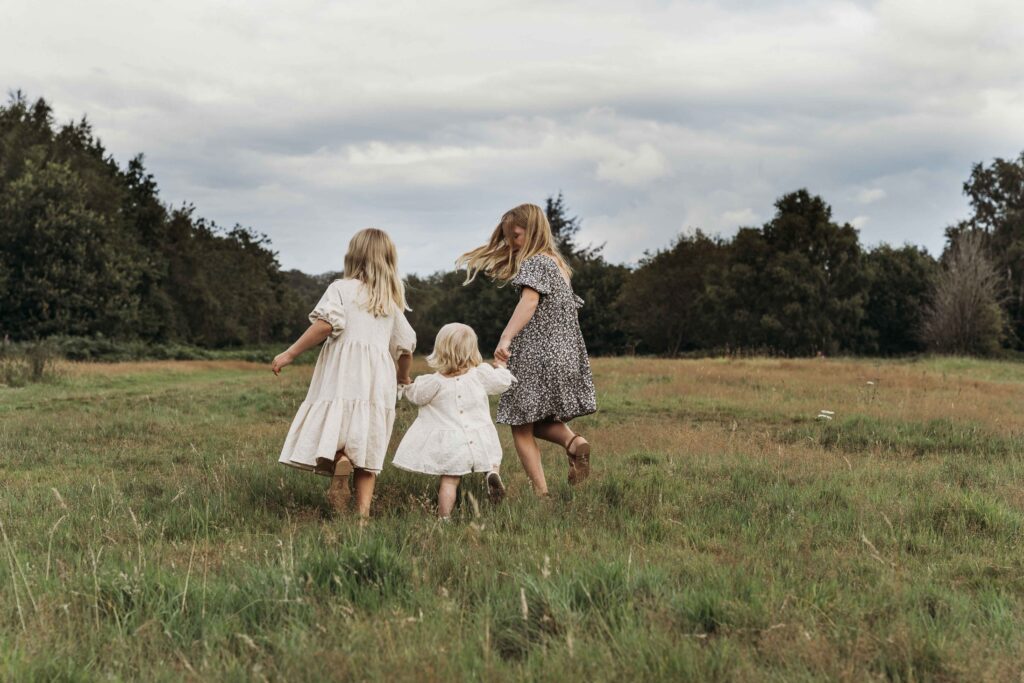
{"x": 24, "y": 363}
{"x": 106, "y": 350}
{"x": 965, "y": 314}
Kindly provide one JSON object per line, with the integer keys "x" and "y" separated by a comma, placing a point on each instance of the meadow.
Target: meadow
{"x": 727, "y": 533}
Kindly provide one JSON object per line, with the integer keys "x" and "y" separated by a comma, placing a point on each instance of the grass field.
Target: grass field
{"x": 726, "y": 534}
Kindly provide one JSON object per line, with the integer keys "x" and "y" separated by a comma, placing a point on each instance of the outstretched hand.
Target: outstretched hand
{"x": 280, "y": 361}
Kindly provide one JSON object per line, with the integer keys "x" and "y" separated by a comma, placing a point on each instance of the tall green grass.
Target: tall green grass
{"x": 149, "y": 534}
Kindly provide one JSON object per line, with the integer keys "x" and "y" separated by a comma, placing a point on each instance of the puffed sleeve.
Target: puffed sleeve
{"x": 330, "y": 309}
{"x": 403, "y": 337}
{"x": 423, "y": 389}
{"x": 535, "y": 273}
{"x": 494, "y": 380}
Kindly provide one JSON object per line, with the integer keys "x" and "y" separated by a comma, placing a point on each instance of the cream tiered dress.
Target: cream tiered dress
{"x": 453, "y": 433}
{"x": 350, "y": 405}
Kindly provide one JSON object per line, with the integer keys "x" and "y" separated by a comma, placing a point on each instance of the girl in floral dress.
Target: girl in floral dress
{"x": 542, "y": 342}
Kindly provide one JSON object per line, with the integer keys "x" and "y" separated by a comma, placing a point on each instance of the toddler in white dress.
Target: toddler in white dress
{"x": 454, "y": 434}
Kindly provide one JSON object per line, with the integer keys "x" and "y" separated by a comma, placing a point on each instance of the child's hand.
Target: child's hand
{"x": 404, "y": 380}
{"x": 501, "y": 364}
{"x": 503, "y": 352}
{"x": 280, "y": 361}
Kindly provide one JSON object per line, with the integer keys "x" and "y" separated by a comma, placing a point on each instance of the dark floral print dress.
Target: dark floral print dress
{"x": 548, "y": 357}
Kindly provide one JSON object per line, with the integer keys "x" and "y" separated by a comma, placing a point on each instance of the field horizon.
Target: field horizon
{"x": 747, "y": 519}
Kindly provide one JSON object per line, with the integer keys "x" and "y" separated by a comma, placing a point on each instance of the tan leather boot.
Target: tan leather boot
{"x": 338, "y": 492}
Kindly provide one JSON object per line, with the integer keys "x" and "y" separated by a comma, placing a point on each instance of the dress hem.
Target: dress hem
{"x": 541, "y": 418}
{"x": 310, "y": 468}
{"x": 441, "y": 474}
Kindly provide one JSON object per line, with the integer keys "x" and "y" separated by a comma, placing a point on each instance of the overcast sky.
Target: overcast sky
{"x": 307, "y": 119}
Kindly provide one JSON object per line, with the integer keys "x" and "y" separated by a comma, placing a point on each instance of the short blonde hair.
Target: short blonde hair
{"x": 373, "y": 260}
{"x": 456, "y": 348}
{"x": 496, "y": 258}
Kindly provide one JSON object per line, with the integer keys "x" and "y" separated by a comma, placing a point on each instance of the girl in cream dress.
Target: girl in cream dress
{"x": 345, "y": 423}
{"x": 453, "y": 434}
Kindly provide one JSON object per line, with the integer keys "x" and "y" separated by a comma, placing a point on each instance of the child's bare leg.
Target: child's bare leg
{"x": 556, "y": 432}
{"x": 529, "y": 455}
{"x": 576, "y": 447}
{"x": 446, "y": 495}
{"x": 364, "y": 481}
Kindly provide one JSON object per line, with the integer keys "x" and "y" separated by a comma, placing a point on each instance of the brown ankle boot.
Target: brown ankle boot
{"x": 338, "y": 493}
{"x": 329, "y": 467}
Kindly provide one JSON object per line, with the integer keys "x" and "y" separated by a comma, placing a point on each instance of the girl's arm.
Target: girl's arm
{"x": 401, "y": 346}
{"x": 404, "y": 364}
{"x": 494, "y": 380}
{"x": 525, "y": 309}
{"x": 422, "y": 391}
{"x": 315, "y": 335}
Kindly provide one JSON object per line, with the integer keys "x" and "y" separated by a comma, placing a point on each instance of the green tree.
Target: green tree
{"x": 147, "y": 217}
{"x": 301, "y": 293}
{"x": 564, "y": 227}
{"x": 665, "y": 302}
{"x": 228, "y": 289}
{"x": 600, "y": 283}
{"x": 594, "y": 280}
{"x": 899, "y": 281}
{"x": 797, "y": 285}
{"x": 26, "y": 134}
{"x": 69, "y": 269}
{"x": 442, "y": 298}
{"x": 88, "y": 248}
{"x": 996, "y": 195}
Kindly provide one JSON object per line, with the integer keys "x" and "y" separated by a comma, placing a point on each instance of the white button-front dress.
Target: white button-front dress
{"x": 350, "y": 405}
{"x": 453, "y": 433}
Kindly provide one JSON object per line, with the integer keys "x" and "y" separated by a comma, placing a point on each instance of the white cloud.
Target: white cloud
{"x": 870, "y": 195}
{"x": 633, "y": 168}
{"x": 308, "y": 119}
{"x": 740, "y": 217}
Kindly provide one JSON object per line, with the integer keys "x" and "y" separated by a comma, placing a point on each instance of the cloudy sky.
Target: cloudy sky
{"x": 308, "y": 119}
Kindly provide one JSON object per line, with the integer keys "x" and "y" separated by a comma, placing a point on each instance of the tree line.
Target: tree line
{"x": 88, "y": 249}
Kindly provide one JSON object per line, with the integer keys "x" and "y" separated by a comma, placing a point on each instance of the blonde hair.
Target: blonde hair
{"x": 455, "y": 349}
{"x": 496, "y": 258}
{"x": 373, "y": 260}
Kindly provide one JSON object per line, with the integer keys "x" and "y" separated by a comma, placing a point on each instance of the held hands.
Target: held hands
{"x": 404, "y": 380}
{"x": 503, "y": 352}
{"x": 280, "y": 361}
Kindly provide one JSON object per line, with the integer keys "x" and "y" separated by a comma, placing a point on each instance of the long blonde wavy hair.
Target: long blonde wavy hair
{"x": 373, "y": 260}
{"x": 497, "y": 260}
{"x": 455, "y": 349}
